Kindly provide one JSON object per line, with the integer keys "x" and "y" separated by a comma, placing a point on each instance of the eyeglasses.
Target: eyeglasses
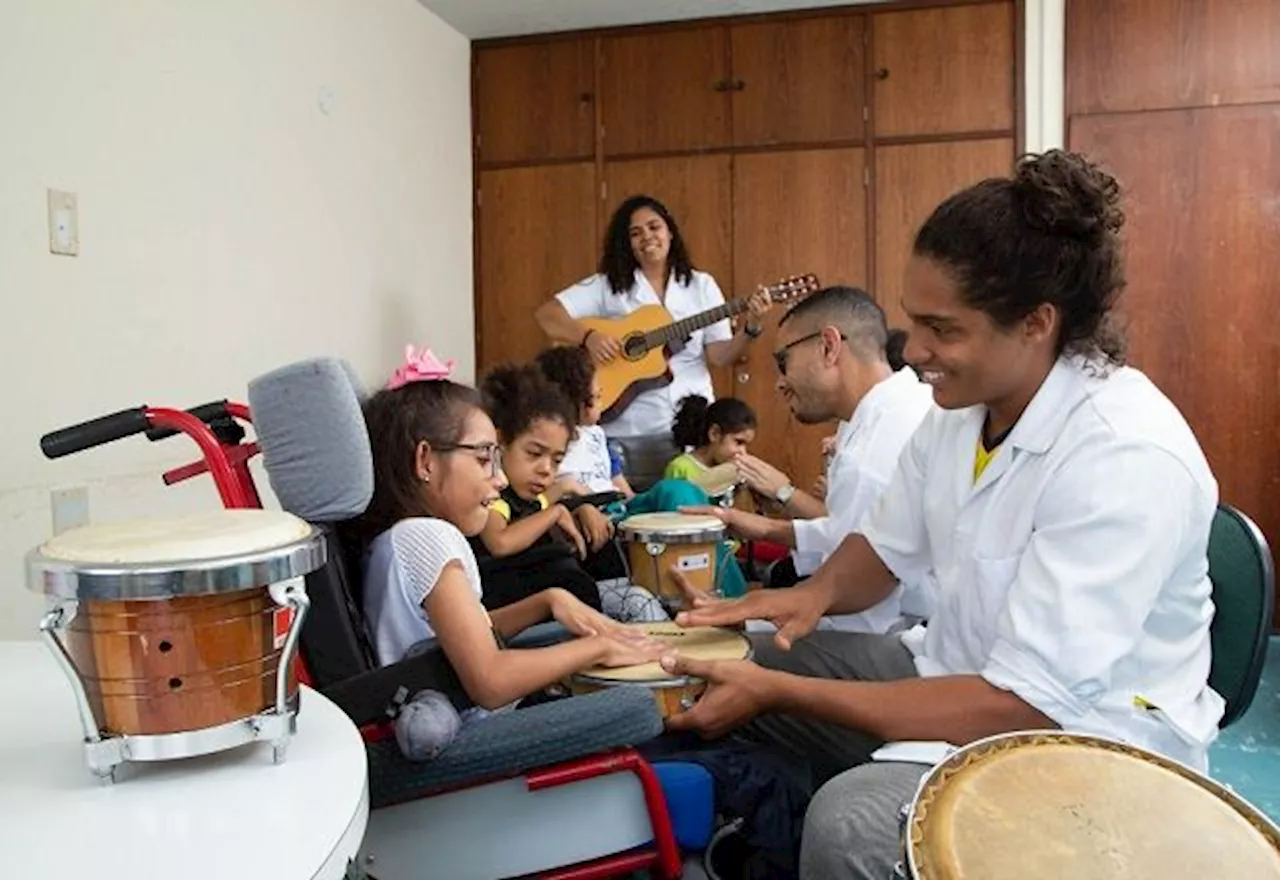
{"x": 782, "y": 355}
{"x": 485, "y": 453}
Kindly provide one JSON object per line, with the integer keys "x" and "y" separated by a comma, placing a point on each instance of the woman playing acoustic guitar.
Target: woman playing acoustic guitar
{"x": 645, "y": 263}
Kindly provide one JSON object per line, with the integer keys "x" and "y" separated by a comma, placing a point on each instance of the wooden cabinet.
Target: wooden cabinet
{"x": 535, "y": 101}
{"x": 912, "y": 180}
{"x": 806, "y": 213}
{"x": 798, "y": 82}
{"x": 758, "y": 133}
{"x": 943, "y": 71}
{"x": 1201, "y": 188}
{"x": 535, "y": 235}
{"x": 665, "y": 91}
{"x": 1153, "y": 54}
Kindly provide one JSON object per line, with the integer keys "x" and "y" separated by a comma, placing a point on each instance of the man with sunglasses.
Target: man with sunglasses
{"x": 832, "y": 367}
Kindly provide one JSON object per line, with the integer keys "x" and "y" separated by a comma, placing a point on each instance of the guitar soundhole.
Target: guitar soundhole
{"x": 634, "y": 348}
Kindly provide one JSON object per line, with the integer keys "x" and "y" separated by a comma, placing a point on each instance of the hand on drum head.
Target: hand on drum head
{"x": 628, "y": 650}
{"x": 581, "y": 619}
{"x": 795, "y": 611}
{"x": 737, "y": 691}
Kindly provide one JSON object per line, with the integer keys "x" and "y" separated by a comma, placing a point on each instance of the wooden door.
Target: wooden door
{"x": 944, "y": 70}
{"x": 1150, "y": 54}
{"x": 665, "y": 91}
{"x": 798, "y": 82}
{"x": 535, "y": 101}
{"x": 794, "y": 212}
{"x": 912, "y": 180}
{"x": 536, "y": 233}
{"x": 1202, "y": 198}
{"x": 696, "y": 189}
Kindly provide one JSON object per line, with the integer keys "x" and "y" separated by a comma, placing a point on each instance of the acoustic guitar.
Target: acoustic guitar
{"x": 647, "y": 333}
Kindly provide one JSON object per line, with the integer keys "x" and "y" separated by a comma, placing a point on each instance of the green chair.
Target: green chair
{"x": 1243, "y": 576}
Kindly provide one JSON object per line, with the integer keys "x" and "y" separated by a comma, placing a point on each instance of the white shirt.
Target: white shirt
{"x": 402, "y": 568}
{"x": 587, "y": 460}
{"x": 1074, "y": 572}
{"x": 867, "y": 449}
{"x": 653, "y": 411}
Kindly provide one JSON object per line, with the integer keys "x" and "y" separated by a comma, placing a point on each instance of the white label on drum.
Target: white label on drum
{"x": 694, "y": 562}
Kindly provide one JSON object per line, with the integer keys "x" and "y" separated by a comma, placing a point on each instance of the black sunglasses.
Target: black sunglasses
{"x": 782, "y": 355}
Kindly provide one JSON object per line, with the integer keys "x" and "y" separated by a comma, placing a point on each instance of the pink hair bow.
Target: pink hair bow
{"x": 419, "y": 366}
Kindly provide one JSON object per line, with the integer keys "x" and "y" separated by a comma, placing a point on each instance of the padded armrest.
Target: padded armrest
{"x": 513, "y": 742}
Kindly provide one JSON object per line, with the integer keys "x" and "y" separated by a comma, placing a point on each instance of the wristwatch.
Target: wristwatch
{"x": 785, "y": 493}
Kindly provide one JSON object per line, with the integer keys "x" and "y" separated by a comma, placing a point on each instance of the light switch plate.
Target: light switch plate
{"x": 64, "y": 223}
{"x": 70, "y": 508}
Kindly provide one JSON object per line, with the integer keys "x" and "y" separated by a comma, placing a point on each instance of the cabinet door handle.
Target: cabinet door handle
{"x": 739, "y": 85}
{"x": 723, "y": 85}
{"x": 882, "y": 73}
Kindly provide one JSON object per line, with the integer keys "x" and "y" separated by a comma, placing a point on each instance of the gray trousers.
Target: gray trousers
{"x": 851, "y": 827}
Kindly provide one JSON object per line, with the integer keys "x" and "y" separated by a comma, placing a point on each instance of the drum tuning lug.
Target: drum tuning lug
{"x": 278, "y": 753}
{"x": 686, "y": 702}
{"x": 655, "y": 549}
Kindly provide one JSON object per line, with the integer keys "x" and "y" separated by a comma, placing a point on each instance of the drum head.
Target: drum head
{"x": 1064, "y": 806}
{"x": 672, "y": 527}
{"x": 196, "y": 554}
{"x": 696, "y": 642}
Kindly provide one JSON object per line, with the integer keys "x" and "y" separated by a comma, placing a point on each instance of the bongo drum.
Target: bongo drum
{"x": 178, "y": 635}
{"x": 658, "y": 542}
{"x": 673, "y": 693}
{"x": 1058, "y": 805}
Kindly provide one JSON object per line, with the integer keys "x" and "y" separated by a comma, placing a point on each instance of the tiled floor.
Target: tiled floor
{"x": 1247, "y": 754}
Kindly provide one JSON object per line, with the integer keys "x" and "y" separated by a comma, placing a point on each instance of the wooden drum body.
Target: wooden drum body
{"x": 179, "y": 635}
{"x": 1051, "y": 805}
{"x": 673, "y": 693}
{"x": 658, "y": 542}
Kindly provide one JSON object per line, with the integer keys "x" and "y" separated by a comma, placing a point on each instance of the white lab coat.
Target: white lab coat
{"x": 653, "y": 411}
{"x": 867, "y": 449}
{"x": 1074, "y": 572}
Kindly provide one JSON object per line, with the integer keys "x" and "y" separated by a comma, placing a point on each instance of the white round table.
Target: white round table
{"x": 228, "y": 815}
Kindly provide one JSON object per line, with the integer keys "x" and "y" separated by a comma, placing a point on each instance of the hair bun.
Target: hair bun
{"x": 1065, "y": 194}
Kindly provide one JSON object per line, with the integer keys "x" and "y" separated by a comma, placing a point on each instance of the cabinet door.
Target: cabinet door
{"x": 798, "y": 82}
{"x": 535, "y": 101}
{"x": 536, "y": 233}
{"x": 665, "y": 91}
{"x": 696, "y": 189}
{"x": 794, "y": 212}
{"x": 1154, "y": 54}
{"x": 912, "y": 180}
{"x": 944, "y": 70}
{"x": 1201, "y": 189}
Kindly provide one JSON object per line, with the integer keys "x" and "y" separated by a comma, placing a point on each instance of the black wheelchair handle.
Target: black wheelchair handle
{"x": 95, "y": 432}
{"x": 205, "y": 412}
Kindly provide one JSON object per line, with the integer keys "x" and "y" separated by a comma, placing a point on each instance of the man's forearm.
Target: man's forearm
{"x": 854, "y": 576}
{"x": 956, "y": 709}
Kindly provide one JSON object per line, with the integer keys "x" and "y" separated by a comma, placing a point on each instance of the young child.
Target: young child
{"x": 521, "y": 547}
{"x": 437, "y": 470}
{"x": 587, "y": 468}
{"x": 711, "y": 435}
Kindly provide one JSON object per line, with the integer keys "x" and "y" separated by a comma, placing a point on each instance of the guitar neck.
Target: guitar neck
{"x": 686, "y": 327}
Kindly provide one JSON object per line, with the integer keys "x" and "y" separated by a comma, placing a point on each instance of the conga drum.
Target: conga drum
{"x": 178, "y": 635}
{"x": 658, "y": 542}
{"x": 1054, "y": 805}
{"x": 673, "y": 693}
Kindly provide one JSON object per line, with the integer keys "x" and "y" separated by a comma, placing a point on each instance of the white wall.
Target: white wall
{"x": 1044, "y": 69}
{"x": 227, "y": 224}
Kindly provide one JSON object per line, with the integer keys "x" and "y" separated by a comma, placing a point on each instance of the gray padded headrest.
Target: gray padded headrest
{"x": 315, "y": 445}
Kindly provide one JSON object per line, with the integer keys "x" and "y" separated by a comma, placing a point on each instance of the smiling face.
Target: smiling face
{"x": 650, "y": 238}
{"x": 532, "y": 459}
{"x": 962, "y": 353}
{"x": 806, "y": 361}
{"x": 460, "y": 484}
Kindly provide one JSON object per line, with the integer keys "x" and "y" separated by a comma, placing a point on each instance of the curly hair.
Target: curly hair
{"x": 1048, "y": 234}
{"x": 696, "y": 416}
{"x": 618, "y": 261}
{"x": 517, "y": 396}
{"x": 570, "y": 369}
